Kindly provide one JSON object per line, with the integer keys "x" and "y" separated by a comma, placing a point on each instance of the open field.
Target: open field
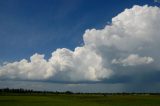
{"x": 80, "y": 100}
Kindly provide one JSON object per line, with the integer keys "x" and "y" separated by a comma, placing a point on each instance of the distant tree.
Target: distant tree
{"x": 68, "y": 92}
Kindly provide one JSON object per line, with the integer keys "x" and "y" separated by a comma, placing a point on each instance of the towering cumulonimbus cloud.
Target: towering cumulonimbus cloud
{"x": 130, "y": 43}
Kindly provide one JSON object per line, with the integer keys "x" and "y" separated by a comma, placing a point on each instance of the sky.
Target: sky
{"x": 80, "y": 45}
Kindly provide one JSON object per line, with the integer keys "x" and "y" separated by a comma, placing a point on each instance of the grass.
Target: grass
{"x": 80, "y": 100}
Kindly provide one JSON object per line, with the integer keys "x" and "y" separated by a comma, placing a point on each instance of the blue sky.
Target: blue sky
{"x": 46, "y": 45}
{"x": 42, "y": 26}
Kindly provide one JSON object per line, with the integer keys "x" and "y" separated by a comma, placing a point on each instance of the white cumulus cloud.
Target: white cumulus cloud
{"x": 132, "y": 39}
{"x": 133, "y": 60}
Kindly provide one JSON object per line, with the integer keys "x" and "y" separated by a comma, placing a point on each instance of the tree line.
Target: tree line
{"x": 6, "y": 91}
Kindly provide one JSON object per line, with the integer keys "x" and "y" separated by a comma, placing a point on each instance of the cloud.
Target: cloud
{"x": 79, "y": 65}
{"x": 132, "y": 39}
{"x": 133, "y": 60}
{"x": 157, "y": 1}
{"x": 64, "y": 65}
{"x": 37, "y": 68}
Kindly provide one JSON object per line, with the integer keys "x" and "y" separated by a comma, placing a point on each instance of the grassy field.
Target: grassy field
{"x": 80, "y": 100}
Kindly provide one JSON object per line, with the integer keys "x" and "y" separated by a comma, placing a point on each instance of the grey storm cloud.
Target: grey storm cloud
{"x": 128, "y": 47}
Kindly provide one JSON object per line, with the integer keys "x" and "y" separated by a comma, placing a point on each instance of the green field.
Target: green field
{"x": 80, "y": 100}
